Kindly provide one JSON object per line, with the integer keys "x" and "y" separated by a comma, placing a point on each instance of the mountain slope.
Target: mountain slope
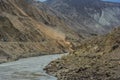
{"x": 88, "y": 16}
{"x": 22, "y": 35}
{"x": 95, "y": 59}
{"x": 56, "y": 21}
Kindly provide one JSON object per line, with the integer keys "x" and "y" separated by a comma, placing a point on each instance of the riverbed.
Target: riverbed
{"x": 28, "y": 69}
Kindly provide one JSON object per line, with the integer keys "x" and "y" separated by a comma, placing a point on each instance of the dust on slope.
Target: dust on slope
{"x": 22, "y": 36}
{"x": 46, "y": 15}
{"x": 95, "y": 59}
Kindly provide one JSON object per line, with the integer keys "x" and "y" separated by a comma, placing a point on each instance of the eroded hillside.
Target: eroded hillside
{"x": 95, "y": 59}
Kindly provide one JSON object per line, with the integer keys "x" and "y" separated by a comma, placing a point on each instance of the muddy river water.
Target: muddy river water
{"x": 28, "y": 69}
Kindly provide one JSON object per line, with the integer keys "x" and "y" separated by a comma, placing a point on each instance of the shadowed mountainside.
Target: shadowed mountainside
{"x": 88, "y": 17}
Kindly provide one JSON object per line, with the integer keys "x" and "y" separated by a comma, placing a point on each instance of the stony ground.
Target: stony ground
{"x": 95, "y": 59}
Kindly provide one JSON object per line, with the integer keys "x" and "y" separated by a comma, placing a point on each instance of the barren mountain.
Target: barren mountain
{"x": 96, "y": 58}
{"x": 88, "y": 16}
{"x": 31, "y": 28}
{"x": 24, "y": 33}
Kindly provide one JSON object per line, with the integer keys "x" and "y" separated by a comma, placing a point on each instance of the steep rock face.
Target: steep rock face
{"x": 97, "y": 58}
{"x": 22, "y": 35}
{"x": 88, "y": 16}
